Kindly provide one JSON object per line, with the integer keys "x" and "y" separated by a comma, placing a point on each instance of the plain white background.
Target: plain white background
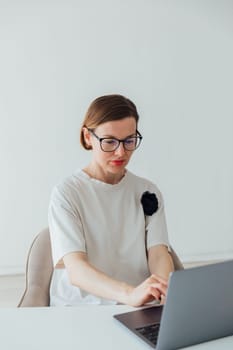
{"x": 173, "y": 58}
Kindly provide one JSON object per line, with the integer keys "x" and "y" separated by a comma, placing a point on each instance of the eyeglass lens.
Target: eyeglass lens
{"x": 130, "y": 144}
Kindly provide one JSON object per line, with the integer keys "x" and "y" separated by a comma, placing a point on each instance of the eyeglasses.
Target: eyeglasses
{"x": 110, "y": 144}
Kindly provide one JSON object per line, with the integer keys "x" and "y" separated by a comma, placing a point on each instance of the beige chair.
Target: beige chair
{"x": 39, "y": 269}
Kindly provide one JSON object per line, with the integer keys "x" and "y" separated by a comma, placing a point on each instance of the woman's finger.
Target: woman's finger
{"x": 160, "y": 287}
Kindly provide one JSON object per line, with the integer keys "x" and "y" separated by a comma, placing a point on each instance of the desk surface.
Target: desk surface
{"x": 83, "y": 327}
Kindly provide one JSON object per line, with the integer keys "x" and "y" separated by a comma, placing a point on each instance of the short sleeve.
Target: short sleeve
{"x": 64, "y": 225}
{"x": 156, "y": 226}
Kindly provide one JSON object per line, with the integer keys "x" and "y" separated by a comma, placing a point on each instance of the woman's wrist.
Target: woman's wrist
{"x": 124, "y": 295}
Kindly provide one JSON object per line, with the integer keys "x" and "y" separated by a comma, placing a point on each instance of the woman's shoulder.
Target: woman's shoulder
{"x": 146, "y": 187}
{"x": 69, "y": 184}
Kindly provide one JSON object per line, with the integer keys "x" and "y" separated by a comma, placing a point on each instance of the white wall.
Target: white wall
{"x": 172, "y": 58}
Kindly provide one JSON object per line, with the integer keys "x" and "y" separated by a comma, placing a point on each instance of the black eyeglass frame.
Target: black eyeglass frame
{"x": 100, "y": 139}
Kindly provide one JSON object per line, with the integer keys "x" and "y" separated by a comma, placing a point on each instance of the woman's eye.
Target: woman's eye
{"x": 130, "y": 141}
{"x": 110, "y": 141}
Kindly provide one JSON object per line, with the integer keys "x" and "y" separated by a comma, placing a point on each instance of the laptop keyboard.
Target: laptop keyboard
{"x": 150, "y": 332}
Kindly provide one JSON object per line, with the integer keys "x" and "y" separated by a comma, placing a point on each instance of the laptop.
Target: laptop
{"x": 198, "y": 308}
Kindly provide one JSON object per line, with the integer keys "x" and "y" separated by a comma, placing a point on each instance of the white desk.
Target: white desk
{"x": 79, "y": 328}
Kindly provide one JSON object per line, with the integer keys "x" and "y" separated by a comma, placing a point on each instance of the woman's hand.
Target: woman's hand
{"x": 153, "y": 288}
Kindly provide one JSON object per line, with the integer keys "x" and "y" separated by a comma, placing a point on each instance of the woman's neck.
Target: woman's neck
{"x": 99, "y": 174}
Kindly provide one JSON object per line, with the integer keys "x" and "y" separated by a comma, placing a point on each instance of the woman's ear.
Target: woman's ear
{"x": 87, "y": 137}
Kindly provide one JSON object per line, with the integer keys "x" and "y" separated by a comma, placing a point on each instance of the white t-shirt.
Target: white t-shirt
{"x": 108, "y": 223}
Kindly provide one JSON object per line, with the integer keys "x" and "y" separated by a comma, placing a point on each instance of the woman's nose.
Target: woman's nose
{"x": 120, "y": 149}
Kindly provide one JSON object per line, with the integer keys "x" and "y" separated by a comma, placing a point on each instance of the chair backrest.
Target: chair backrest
{"x": 39, "y": 270}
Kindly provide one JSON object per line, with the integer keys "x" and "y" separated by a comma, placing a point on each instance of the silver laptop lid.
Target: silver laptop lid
{"x": 199, "y": 306}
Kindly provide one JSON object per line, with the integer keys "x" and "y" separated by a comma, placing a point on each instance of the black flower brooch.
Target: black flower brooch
{"x": 149, "y": 203}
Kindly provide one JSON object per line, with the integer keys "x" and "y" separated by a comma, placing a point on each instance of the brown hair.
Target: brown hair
{"x": 105, "y": 109}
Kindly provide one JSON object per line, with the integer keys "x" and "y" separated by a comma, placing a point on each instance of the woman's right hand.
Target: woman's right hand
{"x": 153, "y": 288}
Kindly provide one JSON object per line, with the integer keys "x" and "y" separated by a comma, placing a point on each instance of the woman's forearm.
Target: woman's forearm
{"x": 85, "y": 276}
{"x": 160, "y": 261}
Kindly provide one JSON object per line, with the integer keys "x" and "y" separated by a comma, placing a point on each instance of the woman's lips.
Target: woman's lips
{"x": 117, "y": 162}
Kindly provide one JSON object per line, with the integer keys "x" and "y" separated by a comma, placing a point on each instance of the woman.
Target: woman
{"x": 108, "y": 225}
